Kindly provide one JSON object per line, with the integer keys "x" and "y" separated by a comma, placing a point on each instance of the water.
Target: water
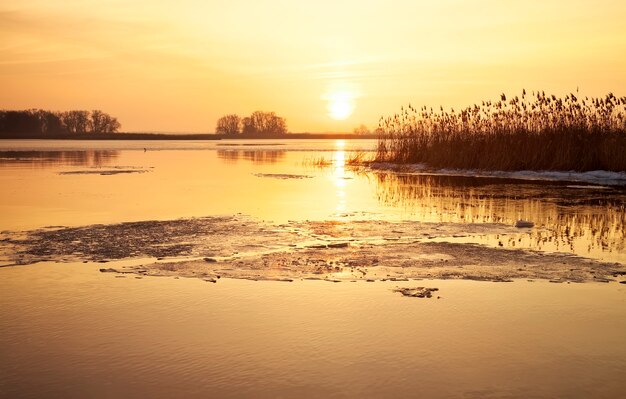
{"x": 67, "y": 330}
{"x": 195, "y": 181}
{"x": 584, "y": 220}
{"x": 55, "y": 183}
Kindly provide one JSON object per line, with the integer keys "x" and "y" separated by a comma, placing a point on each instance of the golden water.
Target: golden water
{"x": 42, "y": 186}
{"x": 67, "y": 330}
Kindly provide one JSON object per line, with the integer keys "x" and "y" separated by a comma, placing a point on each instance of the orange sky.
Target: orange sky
{"x": 179, "y": 65}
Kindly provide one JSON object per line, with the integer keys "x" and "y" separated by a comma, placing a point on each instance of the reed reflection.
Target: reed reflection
{"x": 43, "y": 159}
{"x": 585, "y": 221}
{"x": 257, "y": 157}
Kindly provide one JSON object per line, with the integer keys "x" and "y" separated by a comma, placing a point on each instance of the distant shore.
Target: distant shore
{"x": 194, "y": 136}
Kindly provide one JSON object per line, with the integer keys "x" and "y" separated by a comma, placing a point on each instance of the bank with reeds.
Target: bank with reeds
{"x": 533, "y": 131}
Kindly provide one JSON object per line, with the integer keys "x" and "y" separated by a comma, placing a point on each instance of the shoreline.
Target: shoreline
{"x": 595, "y": 177}
{"x": 190, "y": 136}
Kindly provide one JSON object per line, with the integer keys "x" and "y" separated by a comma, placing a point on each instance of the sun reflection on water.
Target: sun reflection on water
{"x": 339, "y": 175}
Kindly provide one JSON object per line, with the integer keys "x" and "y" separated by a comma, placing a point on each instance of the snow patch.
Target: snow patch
{"x": 599, "y": 177}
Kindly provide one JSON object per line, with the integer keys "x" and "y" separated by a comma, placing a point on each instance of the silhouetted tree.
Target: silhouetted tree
{"x": 362, "y": 129}
{"x": 247, "y": 126}
{"x": 264, "y": 123}
{"x": 76, "y": 121}
{"x": 228, "y": 124}
{"x": 103, "y": 123}
{"x": 20, "y": 122}
{"x": 50, "y": 123}
{"x": 38, "y": 123}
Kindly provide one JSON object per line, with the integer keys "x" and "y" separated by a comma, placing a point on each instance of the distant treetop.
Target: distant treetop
{"x": 259, "y": 123}
{"x": 361, "y": 130}
{"x": 39, "y": 122}
{"x": 228, "y": 124}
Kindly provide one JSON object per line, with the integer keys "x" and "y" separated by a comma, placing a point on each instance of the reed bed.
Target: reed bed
{"x": 533, "y": 131}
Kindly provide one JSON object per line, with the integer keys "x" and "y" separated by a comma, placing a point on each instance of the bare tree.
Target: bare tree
{"x": 97, "y": 121}
{"x": 361, "y": 129}
{"x": 263, "y": 123}
{"x": 40, "y": 122}
{"x": 103, "y": 123}
{"x": 276, "y": 124}
{"x": 76, "y": 121}
{"x": 247, "y": 127}
{"x": 228, "y": 124}
{"x": 113, "y": 125}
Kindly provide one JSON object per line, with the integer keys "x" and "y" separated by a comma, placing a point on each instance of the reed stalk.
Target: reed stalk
{"x": 527, "y": 132}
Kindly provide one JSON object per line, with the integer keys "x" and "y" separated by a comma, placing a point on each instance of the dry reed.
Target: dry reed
{"x": 527, "y": 132}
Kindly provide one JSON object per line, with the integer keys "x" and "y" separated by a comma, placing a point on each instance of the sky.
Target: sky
{"x": 324, "y": 65}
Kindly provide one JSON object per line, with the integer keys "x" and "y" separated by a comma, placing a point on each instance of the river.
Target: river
{"x": 67, "y": 330}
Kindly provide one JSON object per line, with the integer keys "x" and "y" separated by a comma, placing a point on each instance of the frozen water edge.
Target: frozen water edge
{"x": 210, "y": 248}
{"x": 597, "y": 177}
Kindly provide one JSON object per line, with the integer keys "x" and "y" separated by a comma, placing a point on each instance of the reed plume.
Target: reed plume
{"x": 532, "y": 132}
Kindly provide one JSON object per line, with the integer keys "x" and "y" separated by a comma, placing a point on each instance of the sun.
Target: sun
{"x": 340, "y": 106}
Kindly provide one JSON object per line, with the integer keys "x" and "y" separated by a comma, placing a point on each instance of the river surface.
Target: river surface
{"x": 58, "y": 183}
{"x": 67, "y": 330}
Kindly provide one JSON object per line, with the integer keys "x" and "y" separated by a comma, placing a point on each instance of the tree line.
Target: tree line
{"x": 38, "y": 122}
{"x": 258, "y": 123}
